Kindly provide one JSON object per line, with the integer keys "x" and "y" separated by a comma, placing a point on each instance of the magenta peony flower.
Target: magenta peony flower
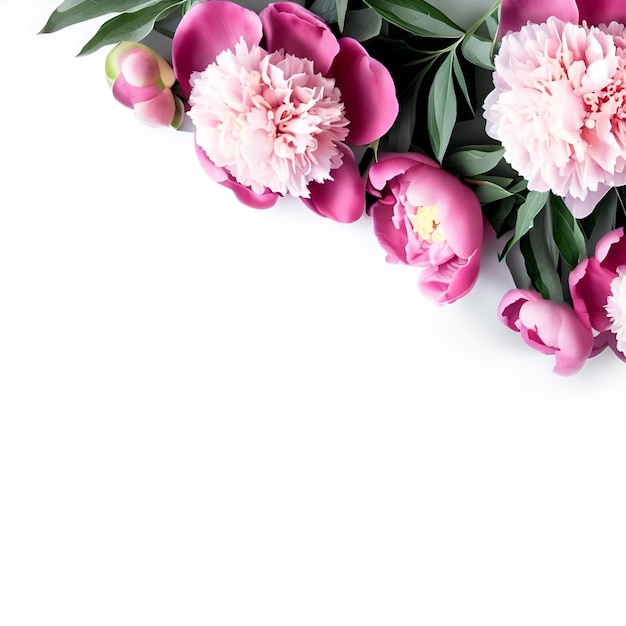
{"x": 598, "y": 291}
{"x": 141, "y": 80}
{"x": 517, "y": 13}
{"x": 276, "y": 100}
{"x": 558, "y": 108}
{"x": 548, "y": 326}
{"x": 425, "y": 216}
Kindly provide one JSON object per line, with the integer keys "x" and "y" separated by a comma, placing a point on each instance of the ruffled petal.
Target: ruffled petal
{"x": 299, "y": 32}
{"x": 243, "y": 194}
{"x": 517, "y": 13}
{"x": 207, "y": 29}
{"x": 367, "y": 90}
{"x": 343, "y": 198}
{"x": 583, "y": 208}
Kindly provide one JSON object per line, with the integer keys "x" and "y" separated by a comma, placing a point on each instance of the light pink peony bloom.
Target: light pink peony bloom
{"x": 425, "y": 216}
{"x": 277, "y": 100}
{"x": 558, "y": 108}
{"x": 598, "y": 289}
{"x": 549, "y": 327}
{"x": 142, "y": 80}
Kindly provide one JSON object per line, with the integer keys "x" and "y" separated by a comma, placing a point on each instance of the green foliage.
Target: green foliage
{"x": 132, "y": 26}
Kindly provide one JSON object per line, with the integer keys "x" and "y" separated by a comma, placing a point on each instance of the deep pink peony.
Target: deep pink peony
{"x": 277, "y": 99}
{"x": 598, "y": 291}
{"x": 549, "y": 327}
{"x": 425, "y": 216}
{"x": 142, "y": 79}
{"x": 559, "y": 108}
{"x": 517, "y": 13}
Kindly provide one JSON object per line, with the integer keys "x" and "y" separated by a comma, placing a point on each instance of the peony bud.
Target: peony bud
{"x": 142, "y": 80}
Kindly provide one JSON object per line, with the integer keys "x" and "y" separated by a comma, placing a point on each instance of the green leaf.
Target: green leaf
{"x": 362, "y": 24}
{"x": 342, "y": 7}
{"x": 491, "y": 188}
{"x": 417, "y": 17}
{"x": 498, "y": 214}
{"x": 600, "y": 221}
{"x": 325, "y": 9}
{"x": 530, "y": 208}
{"x": 129, "y": 26}
{"x": 75, "y": 11}
{"x": 474, "y": 160}
{"x": 460, "y": 79}
{"x": 442, "y": 108}
{"x": 568, "y": 235}
{"x": 541, "y": 259}
{"x": 477, "y": 50}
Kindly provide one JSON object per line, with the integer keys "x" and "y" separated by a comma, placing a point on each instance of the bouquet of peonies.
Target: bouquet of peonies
{"x": 443, "y": 135}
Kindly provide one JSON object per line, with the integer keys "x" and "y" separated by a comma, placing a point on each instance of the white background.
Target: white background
{"x": 215, "y": 415}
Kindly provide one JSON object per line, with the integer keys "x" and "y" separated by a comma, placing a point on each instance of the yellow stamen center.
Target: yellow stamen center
{"x": 426, "y": 225}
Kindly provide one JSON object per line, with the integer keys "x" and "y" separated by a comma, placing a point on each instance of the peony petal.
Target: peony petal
{"x": 559, "y": 328}
{"x": 129, "y": 95}
{"x": 583, "y": 208}
{"x": 243, "y": 194}
{"x": 367, "y": 90}
{"x": 207, "y": 29}
{"x": 391, "y": 164}
{"x": 615, "y": 255}
{"x": 159, "y": 111}
{"x": 299, "y": 32}
{"x": 511, "y": 303}
{"x": 393, "y": 240}
{"x": 445, "y": 287}
{"x": 590, "y": 286}
{"x": 343, "y": 198}
{"x": 517, "y": 13}
{"x": 596, "y": 12}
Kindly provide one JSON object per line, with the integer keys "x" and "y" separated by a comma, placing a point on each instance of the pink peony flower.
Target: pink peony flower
{"x": 558, "y": 108}
{"x": 549, "y": 327}
{"x": 598, "y": 289}
{"x": 142, "y": 80}
{"x": 425, "y": 216}
{"x": 276, "y": 100}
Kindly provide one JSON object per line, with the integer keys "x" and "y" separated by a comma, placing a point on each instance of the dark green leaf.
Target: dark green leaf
{"x": 568, "y": 235}
{"x": 489, "y": 191}
{"x": 75, "y": 11}
{"x": 477, "y": 50}
{"x": 530, "y": 208}
{"x": 499, "y": 213}
{"x": 600, "y": 221}
{"x": 442, "y": 108}
{"x": 460, "y": 79}
{"x": 474, "y": 160}
{"x": 417, "y": 17}
{"x": 129, "y": 26}
{"x": 541, "y": 259}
